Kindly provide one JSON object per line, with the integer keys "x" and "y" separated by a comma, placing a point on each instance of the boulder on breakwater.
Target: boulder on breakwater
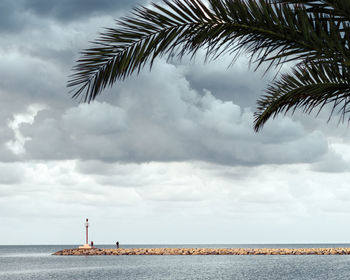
{"x": 203, "y": 251}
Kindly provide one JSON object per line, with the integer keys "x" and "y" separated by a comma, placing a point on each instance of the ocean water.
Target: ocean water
{"x": 37, "y": 263}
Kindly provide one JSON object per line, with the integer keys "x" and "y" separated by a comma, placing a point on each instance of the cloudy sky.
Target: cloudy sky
{"x": 169, "y": 156}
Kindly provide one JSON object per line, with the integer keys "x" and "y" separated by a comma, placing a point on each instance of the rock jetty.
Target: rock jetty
{"x": 203, "y": 251}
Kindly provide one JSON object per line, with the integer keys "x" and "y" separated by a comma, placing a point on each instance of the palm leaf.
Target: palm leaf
{"x": 314, "y": 34}
{"x": 308, "y": 87}
{"x": 335, "y": 8}
{"x": 269, "y": 32}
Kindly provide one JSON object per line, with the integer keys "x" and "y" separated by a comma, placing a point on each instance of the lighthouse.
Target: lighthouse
{"x": 87, "y": 231}
{"x": 86, "y": 245}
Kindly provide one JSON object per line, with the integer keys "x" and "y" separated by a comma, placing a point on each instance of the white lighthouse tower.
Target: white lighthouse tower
{"x": 86, "y": 245}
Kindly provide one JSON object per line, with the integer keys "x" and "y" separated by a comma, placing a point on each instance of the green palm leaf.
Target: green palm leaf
{"x": 308, "y": 87}
{"x": 337, "y": 8}
{"x": 313, "y": 33}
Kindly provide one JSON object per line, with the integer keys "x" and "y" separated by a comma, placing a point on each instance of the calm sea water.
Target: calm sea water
{"x": 36, "y": 262}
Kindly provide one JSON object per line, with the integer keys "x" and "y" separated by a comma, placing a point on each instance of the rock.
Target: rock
{"x": 203, "y": 251}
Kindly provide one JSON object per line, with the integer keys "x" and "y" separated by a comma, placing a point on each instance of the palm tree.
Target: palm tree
{"x": 313, "y": 35}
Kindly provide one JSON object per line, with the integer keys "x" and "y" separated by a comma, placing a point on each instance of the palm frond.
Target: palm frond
{"x": 271, "y": 33}
{"x": 340, "y": 9}
{"x": 308, "y": 87}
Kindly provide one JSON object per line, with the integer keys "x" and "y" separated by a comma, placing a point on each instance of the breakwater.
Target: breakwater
{"x": 204, "y": 251}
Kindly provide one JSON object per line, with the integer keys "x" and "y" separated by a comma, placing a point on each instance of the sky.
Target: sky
{"x": 166, "y": 157}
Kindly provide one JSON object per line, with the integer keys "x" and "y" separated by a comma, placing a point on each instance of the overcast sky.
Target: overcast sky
{"x": 169, "y": 156}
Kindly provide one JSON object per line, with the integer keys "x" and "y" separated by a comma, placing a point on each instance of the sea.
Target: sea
{"x": 38, "y": 263}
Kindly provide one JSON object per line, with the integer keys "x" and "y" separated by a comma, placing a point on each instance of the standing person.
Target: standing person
{"x": 117, "y": 243}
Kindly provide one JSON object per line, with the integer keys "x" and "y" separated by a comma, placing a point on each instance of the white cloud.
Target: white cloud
{"x": 17, "y": 145}
{"x": 176, "y": 198}
{"x": 11, "y": 173}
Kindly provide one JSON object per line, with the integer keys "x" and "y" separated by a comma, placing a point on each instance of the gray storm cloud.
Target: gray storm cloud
{"x": 25, "y": 14}
{"x": 158, "y": 120}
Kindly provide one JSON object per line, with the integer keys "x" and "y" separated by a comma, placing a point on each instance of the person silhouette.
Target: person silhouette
{"x": 117, "y": 243}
